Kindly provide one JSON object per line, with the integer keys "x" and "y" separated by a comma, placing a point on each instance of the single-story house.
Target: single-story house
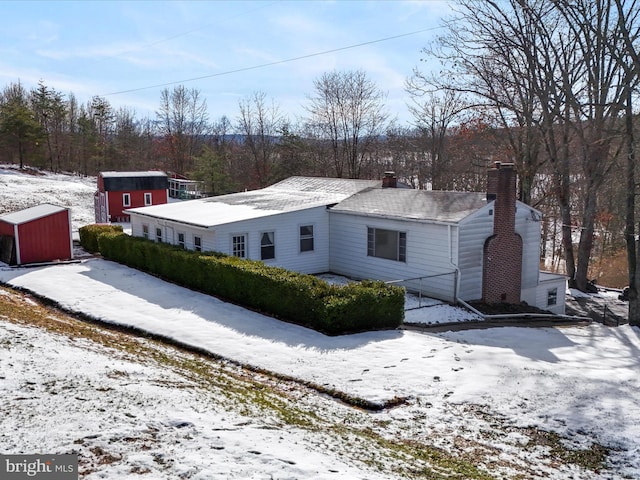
{"x": 37, "y": 234}
{"x": 448, "y": 245}
{"x": 118, "y": 191}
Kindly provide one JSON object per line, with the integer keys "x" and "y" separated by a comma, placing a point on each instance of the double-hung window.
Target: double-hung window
{"x": 158, "y": 234}
{"x": 126, "y": 200}
{"x": 389, "y": 244}
{"x": 552, "y": 297}
{"x": 197, "y": 243}
{"x": 267, "y": 246}
{"x": 239, "y": 246}
{"x": 147, "y": 199}
{"x": 181, "y": 239}
{"x": 145, "y": 231}
{"x": 306, "y": 238}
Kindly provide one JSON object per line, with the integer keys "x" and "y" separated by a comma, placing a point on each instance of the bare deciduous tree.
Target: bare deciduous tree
{"x": 434, "y": 113}
{"x": 182, "y": 122}
{"x": 260, "y": 124}
{"x": 347, "y": 111}
{"x": 541, "y": 67}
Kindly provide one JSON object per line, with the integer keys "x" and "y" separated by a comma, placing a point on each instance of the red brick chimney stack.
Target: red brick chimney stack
{"x": 389, "y": 180}
{"x": 502, "y": 269}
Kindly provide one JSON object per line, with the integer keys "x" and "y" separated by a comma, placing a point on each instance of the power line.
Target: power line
{"x": 270, "y": 64}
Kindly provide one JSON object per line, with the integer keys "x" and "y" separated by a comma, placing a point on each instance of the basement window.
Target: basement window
{"x": 389, "y": 244}
{"x": 552, "y": 297}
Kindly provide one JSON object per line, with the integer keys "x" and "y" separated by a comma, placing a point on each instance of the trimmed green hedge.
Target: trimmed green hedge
{"x": 89, "y": 235}
{"x": 294, "y": 297}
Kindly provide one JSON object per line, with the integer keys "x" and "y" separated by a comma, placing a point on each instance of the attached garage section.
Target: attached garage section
{"x": 36, "y": 234}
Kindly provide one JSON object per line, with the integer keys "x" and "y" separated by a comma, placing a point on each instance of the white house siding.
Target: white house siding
{"x": 286, "y": 232}
{"x": 429, "y": 249}
{"x": 286, "y": 228}
{"x": 539, "y": 295}
{"x": 474, "y": 231}
{"x": 528, "y": 226}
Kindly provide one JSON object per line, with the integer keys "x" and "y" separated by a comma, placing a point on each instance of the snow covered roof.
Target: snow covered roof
{"x": 294, "y": 193}
{"x": 33, "y": 213}
{"x": 412, "y": 204}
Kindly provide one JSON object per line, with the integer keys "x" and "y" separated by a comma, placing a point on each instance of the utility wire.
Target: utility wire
{"x": 270, "y": 64}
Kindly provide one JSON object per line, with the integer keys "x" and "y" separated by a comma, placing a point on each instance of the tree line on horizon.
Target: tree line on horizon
{"x": 548, "y": 86}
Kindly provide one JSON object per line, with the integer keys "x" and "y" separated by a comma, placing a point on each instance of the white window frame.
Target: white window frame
{"x": 272, "y": 246}
{"x": 400, "y": 242}
{"x": 145, "y": 231}
{"x": 126, "y": 199}
{"x": 148, "y": 199}
{"x": 306, "y": 237}
{"x": 239, "y": 245}
{"x": 159, "y": 234}
{"x": 181, "y": 243}
{"x": 197, "y": 243}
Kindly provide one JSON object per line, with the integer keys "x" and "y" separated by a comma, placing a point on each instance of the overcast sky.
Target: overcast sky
{"x": 128, "y": 51}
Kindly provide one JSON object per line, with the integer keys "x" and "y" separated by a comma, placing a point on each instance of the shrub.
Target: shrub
{"x": 297, "y": 298}
{"x": 89, "y": 235}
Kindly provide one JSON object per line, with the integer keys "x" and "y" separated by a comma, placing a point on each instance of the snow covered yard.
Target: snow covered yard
{"x": 578, "y": 382}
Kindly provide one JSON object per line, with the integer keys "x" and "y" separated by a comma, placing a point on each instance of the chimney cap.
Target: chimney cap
{"x": 499, "y": 165}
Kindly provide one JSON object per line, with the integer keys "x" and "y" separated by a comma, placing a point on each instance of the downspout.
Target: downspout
{"x": 456, "y": 280}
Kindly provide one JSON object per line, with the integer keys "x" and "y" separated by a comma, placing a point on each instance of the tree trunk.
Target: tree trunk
{"x": 633, "y": 246}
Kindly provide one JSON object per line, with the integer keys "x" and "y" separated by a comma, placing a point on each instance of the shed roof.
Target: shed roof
{"x": 148, "y": 173}
{"x": 30, "y": 214}
{"x": 426, "y": 205}
{"x": 132, "y": 181}
{"x": 294, "y": 193}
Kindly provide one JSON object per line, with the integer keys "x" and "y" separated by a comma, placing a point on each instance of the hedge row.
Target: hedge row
{"x": 290, "y": 296}
{"x": 89, "y": 235}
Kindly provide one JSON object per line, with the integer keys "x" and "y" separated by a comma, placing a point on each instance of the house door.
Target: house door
{"x": 170, "y": 235}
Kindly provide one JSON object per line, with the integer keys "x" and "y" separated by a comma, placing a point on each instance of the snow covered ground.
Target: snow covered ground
{"x": 484, "y": 387}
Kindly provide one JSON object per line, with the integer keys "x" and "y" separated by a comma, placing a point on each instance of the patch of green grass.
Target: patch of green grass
{"x": 593, "y": 458}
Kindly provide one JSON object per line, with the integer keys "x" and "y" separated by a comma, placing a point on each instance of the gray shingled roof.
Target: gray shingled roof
{"x": 294, "y": 193}
{"x": 297, "y": 192}
{"x": 414, "y": 204}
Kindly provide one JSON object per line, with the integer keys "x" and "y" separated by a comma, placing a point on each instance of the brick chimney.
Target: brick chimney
{"x": 389, "y": 180}
{"x": 502, "y": 268}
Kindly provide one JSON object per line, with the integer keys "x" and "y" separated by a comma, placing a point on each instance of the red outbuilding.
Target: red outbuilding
{"x": 118, "y": 191}
{"x": 36, "y": 234}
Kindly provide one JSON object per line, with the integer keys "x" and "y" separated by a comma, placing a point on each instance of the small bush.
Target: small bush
{"x": 89, "y": 235}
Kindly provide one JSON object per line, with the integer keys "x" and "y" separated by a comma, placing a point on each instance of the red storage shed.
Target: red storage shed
{"x": 36, "y": 234}
{"x": 118, "y": 191}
